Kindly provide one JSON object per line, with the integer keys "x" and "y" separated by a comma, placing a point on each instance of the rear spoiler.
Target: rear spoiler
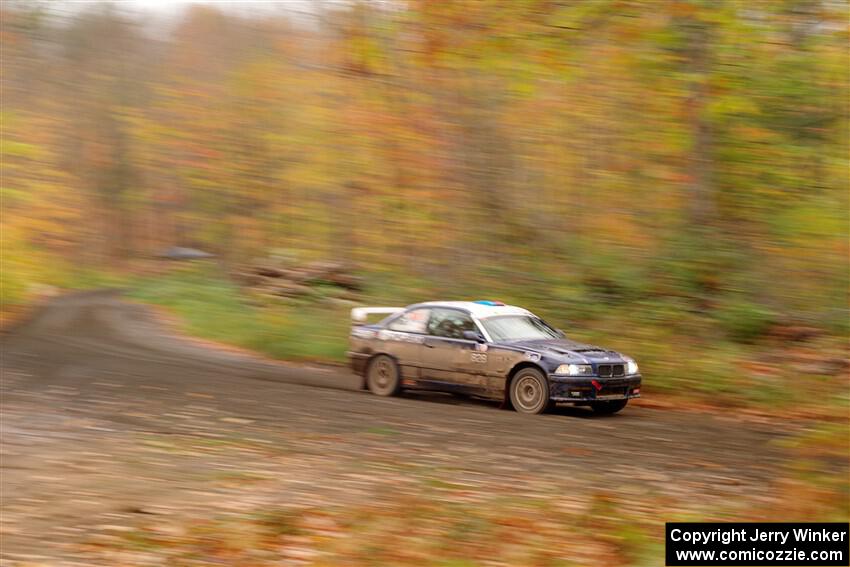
{"x": 359, "y": 314}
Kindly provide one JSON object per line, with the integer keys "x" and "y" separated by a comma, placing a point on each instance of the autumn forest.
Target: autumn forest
{"x": 616, "y": 152}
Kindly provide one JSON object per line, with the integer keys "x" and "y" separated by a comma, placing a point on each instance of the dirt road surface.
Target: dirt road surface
{"x": 109, "y": 419}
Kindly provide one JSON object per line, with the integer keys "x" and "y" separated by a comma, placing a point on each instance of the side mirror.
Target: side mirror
{"x": 473, "y": 336}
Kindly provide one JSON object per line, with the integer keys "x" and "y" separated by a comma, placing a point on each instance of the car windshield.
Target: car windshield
{"x": 517, "y": 328}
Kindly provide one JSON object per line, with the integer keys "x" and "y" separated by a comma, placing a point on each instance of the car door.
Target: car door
{"x": 404, "y": 338}
{"x": 450, "y": 362}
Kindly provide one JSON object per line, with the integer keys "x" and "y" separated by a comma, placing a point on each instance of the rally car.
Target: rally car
{"x": 486, "y": 349}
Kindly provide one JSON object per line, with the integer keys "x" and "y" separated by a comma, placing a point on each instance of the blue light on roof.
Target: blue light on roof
{"x": 488, "y": 302}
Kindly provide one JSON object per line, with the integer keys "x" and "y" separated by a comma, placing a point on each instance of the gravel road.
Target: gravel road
{"x": 107, "y": 416}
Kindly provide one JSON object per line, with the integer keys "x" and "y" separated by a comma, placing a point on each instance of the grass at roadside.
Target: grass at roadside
{"x": 214, "y": 308}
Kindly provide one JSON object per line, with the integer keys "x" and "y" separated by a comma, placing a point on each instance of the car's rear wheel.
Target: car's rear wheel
{"x": 383, "y": 377}
{"x": 529, "y": 391}
{"x": 609, "y": 407}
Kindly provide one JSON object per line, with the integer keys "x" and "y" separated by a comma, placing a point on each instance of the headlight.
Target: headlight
{"x": 631, "y": 367}
{"x": 574, "y": 370}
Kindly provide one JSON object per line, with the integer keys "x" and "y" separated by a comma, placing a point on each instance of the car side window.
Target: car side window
{"x": 413, "y": 321}
{"x": 450, "y": 323}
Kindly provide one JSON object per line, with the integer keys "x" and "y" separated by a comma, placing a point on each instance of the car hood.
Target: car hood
{"x": 567, "y": 348}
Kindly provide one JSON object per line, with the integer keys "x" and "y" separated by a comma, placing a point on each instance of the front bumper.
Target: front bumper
{"x": 583, "y": 389}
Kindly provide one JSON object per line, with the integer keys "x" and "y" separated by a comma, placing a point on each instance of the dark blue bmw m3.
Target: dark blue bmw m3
{"x": 490, "y": 350}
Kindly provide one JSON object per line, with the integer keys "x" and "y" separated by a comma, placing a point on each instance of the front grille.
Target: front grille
{"x": 608, "y": 370}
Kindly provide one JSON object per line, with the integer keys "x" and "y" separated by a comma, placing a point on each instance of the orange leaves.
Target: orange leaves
{"x": 482, "y": 128}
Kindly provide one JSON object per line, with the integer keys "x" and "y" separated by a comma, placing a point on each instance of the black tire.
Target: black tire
{"x": 529, "y": 391}
{"x": 382, "y": 376}
{"x": 608, "y": 408}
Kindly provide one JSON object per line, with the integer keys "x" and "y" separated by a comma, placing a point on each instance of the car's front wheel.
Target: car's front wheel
{"x": 609, "y": 407}
{"x": 529, "y": 391}
{"x": 383, "y": 377}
